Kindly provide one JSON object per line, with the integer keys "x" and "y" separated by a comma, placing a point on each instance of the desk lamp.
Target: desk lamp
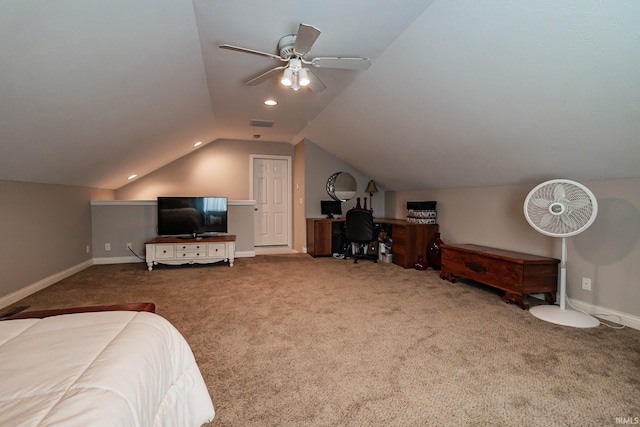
{"x": 371, "y": 188}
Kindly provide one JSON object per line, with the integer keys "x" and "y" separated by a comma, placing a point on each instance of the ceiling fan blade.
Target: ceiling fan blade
{"x": 307, "y": 35}
{"x": 254, "y": 52}
{"x": 343, "y": 63}
{"x": 315, "y": 84}
{"x": 264, "y": 76}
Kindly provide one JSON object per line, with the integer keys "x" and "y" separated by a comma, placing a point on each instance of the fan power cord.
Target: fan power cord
{"x": 598, "y": 314}
{"x": 139, "y": 257}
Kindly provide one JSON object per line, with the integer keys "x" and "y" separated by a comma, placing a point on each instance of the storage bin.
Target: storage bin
{"x": 421, "y": 212}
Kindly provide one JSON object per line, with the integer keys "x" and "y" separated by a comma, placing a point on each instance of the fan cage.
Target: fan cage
{"x": 560, "y": 208}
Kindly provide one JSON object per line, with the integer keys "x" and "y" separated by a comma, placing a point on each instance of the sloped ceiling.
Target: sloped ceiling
{"x": 460, "y": 93}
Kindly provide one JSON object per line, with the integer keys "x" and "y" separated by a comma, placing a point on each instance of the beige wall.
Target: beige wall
{"x": 608, "y": 252}
{"x": 119, "y": 222}
{"x": 299, "y": 196}
{"x": 221, "y": 168}
{"x": 224, "y": 168}
{"x": 45, "y": 229}
{"x": 319, "y": 166}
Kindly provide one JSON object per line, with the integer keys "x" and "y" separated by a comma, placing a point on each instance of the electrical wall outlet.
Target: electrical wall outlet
{"x": 88, "y": 249}
{"x": 129, "y": 246}
{"x": 107, "y": 246}
{"x": 586, "y": 283}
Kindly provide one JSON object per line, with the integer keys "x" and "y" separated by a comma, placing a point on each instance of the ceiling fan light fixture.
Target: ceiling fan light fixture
{"x": 295, "y": 64}
{"x": 303, "y": 77}
{"x": 287, "y": 77}
{"x": 293, "y": 49}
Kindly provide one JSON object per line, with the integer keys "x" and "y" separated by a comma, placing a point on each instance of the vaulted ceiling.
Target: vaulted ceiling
{"x": 459, "y": 93}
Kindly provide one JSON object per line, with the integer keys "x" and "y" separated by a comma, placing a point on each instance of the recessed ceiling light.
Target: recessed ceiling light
{"x": 132, "y": 176}
{"x": 271, "y": 102}
{"x": 197, "y": 143}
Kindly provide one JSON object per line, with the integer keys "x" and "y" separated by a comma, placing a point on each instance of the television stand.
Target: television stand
{"x": 199, "y": 250}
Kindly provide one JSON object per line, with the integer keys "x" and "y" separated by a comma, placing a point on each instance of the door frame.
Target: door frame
{"x": 252, "y": 158}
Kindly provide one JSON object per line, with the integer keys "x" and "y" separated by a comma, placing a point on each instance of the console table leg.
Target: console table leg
{"x": 150, "y": 266}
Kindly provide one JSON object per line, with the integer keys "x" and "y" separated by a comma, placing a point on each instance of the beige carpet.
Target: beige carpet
{"x": 289, "y": 340}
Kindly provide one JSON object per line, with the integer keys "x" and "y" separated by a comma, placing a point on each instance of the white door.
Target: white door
{"x": 271, "y": 191}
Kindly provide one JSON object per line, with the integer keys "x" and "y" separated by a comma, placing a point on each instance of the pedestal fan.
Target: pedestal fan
{"x": 561, "y": 208}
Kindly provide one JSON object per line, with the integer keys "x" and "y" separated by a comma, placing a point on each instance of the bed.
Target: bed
{"x": 99, "y": 368}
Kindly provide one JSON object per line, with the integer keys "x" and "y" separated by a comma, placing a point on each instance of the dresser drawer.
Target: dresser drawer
{"x": 190, "y": 251}
{"x": 192, "y": 254}
{"x": 191, "y": 247}
{"x": 217, "y": 250}
{"x": 165, "y": 251}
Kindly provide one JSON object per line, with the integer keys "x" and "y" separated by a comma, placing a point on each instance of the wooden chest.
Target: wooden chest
{"x": 518, "y": 274}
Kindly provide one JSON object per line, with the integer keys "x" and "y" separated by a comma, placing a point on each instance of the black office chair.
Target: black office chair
{"x": 360, "y": 231}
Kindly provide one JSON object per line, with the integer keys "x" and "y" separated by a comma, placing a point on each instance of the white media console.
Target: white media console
{"x": 177, "y": 251}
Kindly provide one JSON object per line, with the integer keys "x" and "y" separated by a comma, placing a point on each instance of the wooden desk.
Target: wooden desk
{"x": 409, "y": 240}
{"x": 517, "y": 273}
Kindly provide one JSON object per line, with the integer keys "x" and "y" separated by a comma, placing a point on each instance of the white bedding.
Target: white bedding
{"x": 112, "y": 368}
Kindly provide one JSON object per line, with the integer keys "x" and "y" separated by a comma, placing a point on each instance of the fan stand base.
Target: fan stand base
{"x": 566, "y": 317}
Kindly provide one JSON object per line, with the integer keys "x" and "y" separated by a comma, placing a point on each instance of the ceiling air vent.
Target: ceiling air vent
{"x": 262, "y": 123}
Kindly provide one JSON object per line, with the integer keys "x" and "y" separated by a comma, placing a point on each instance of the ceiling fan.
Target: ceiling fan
{"x": 293, "y": 50}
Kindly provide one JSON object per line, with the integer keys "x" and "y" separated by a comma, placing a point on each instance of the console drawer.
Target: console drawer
{"x": 192, "y": 254}
{"x": 165, "y": 251}
{"x": 217, "y": 250}
{"x": 191, "y": 248}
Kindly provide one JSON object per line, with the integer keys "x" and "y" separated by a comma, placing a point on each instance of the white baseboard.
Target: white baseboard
{"x": 603, "y": 313}
{"x": 608, "y": 314}
{"x": 245, "y": 254}
{"x": 41, "y": 284}
{"x": 117, "y": 260}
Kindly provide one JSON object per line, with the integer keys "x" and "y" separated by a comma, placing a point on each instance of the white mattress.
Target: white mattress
{"x": 117, "y": 368}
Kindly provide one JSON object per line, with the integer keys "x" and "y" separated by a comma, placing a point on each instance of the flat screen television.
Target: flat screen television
{"x": 330, "y": 208}
{"x": 192, "y": 216}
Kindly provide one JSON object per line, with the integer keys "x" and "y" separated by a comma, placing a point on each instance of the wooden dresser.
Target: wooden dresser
{"x": 517, "y": 273}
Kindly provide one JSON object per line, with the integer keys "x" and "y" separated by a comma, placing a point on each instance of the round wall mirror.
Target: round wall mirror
{"x": 341, "y": 186}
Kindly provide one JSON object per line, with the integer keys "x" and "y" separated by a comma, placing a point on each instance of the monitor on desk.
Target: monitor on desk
{"x": 330, "y": 208}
